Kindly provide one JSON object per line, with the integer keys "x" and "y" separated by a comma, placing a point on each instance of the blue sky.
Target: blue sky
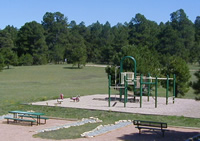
{"x": 18, "y": 12}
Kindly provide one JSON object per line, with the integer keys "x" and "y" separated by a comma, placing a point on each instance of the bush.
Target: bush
{"x": 196, "y": 85}
{"x": 26, "y": 60}
{"x": 39, "y": 59}
{"x": 1, "y": 62}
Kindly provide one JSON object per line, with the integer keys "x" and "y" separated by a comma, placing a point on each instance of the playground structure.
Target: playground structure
{"x": 76, "y": 98}
{"x": 60, "y": 100}
{"x": 130, "y": 79}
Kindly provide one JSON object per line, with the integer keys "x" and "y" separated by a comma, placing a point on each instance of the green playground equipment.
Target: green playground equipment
{"x": 130, "y": 78}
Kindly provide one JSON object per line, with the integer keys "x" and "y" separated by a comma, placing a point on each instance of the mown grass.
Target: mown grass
{"x": 35, "y": 83}
{"x": 69, "y": 133}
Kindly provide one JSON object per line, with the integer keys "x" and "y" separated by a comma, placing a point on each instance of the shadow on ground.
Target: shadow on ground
{"x": 71, "y": 68}
{"x": 171, "y": 135}
{"x": 132, "y": 100}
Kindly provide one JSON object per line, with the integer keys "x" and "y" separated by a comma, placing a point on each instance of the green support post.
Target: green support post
{"x": 149, "y": 87}
{"x": 125, "y": 90}
{"x": 167, "y": 88}
{"x": 141, "y": 91}
{"x": 109, "y": 84}
{"x": 174, "y": 88}
{"x": 156, "y": 93}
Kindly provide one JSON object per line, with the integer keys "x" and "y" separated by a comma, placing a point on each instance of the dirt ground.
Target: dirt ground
{"x": 100, "y": 102}
{"x": 24, "y": 132}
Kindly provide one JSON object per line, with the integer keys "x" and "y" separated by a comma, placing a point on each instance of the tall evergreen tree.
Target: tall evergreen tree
{"x": 106, "y": 38}
{"x": 56, "y": 27}
{"x": 6, "y": 40}
{"x": 169, "y": 42}
{"x": 13, "y": 33}
{"x": 76, "y": 50}
{"x": 197, "y": 29}
{"x": 120, "y": 33}
{"x": 196, "y": 49}
{"x": 185, "y": 31}
{"x": 31, "y": 41}
{"x": 8, "y": 56}
{"x": 93, "y": 49}
{"x": 143, "y": 32}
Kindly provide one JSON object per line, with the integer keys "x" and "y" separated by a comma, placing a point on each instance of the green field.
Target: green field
{"x": 20, "y": 85}
{"x": 34, "y": 83}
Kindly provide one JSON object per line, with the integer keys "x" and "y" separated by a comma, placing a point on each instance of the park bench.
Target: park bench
{"x": 151, "y": 125}
{"x": 18, "y": 119}
{"x": 33, "y": 117}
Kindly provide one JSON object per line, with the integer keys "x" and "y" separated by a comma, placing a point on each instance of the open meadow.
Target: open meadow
{"x": 36, "y": 83}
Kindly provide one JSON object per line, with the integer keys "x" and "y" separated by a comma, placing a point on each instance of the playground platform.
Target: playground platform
{"x": 181, "y": 107}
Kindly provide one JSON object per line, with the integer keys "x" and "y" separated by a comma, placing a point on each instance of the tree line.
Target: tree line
{"x": 158, "y": 48}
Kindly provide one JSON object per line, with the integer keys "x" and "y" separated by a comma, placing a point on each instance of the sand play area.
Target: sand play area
{"x": 181, "y": 107}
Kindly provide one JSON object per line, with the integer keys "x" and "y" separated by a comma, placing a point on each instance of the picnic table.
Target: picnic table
{"x": 32, "y": 115}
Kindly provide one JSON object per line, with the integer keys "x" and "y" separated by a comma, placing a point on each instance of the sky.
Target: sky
{"x": 19, "y": 12}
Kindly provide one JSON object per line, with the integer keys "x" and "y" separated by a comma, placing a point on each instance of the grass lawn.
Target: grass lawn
{"x": 35, "y": 83}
